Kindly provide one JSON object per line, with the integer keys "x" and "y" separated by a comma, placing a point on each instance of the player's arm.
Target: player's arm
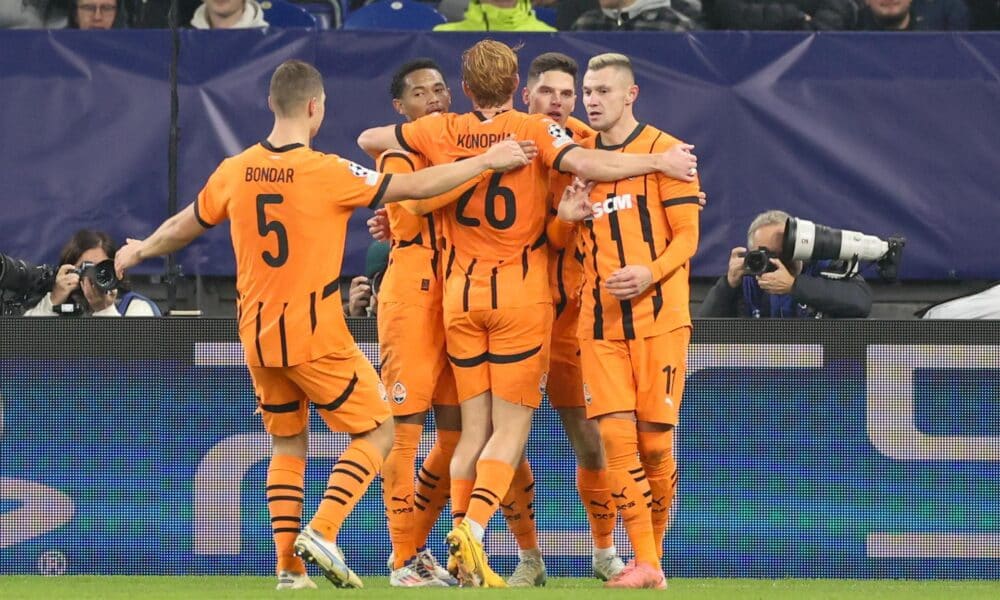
{"x": 682, "y": 215}
{"x": 377, "y": 140}
{"x": 439, "y": 179}
{"x": 559, "y": 232}
{"x": 399, "y": 162}
{"x": 605, "y": 165}
{"x": 173, "y": 234}
{"x": 423, "y": 207}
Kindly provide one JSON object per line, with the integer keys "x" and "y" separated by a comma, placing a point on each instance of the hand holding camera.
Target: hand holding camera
{"x": 96, "y": 282}
{"x": 67, "y": 280}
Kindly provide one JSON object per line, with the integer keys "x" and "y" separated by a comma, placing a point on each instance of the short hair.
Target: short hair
{"x": 612, "y": 59}
{"x": 489, "y": 70}
{"x": 293, "y": 84}
{"x": 83, "y": 240}
{"x": 552, "y": 61}
{"x": 398, "y": 85}
{"x": 764, "y": 219}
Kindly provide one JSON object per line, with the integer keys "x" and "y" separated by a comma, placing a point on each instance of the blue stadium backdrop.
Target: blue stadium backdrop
{"x": 879, "y": 133}
{"x": 807, "y": 449}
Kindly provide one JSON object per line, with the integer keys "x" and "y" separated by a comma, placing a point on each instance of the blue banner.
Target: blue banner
{"x": 805, "y": 450}
{"x": 884, "y": 134}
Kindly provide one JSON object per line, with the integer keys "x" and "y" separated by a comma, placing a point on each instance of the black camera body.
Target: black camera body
{"x": 101, "y": 274}
{"x": 758, "y": 262}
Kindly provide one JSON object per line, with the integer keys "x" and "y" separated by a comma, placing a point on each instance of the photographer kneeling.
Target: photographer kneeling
{"x": 766, "y": 286}
{"x": 84, "y": 286}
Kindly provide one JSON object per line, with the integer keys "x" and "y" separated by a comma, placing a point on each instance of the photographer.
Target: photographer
{"x": 793, "y": 289}
{"x": 76, "y": 287}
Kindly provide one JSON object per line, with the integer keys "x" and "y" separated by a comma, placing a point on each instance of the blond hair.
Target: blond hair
{"x": 489, "y": 70}
{"x": 293, "y": 85}
{"x": 612, "y": 59}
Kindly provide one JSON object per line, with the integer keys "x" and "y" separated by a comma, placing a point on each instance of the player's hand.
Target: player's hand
{"x": 97, "y": 299}
{"x": 378, "y": 226}
{"x": 359, "y": 297}
{"x": 629, "y": 281}
{"x": 66, "y": 281}
{"x": 777, "y": 282}
{"x": 702, "y": 201}
{"x": 734, "y": 276}
{"x": 128, "y": 256}
{"x": 506, "y": 155}
{"x": 529, "y": 147}
{"x": 680, "y": 162}
{"x": 575, "y": 203}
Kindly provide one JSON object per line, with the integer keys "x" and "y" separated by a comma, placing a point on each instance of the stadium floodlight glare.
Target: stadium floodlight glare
{"x": 808, "y": 241}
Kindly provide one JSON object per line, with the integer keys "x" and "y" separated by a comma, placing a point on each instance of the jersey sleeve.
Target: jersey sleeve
{"x": 212, "y": 205}
{"x": 353, "y": 185}
{"x": 674, "y": 192}
{"x": 552, "y": 140}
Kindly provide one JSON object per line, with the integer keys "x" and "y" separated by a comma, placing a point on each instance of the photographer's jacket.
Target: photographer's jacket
{"x": 813, "y": 296}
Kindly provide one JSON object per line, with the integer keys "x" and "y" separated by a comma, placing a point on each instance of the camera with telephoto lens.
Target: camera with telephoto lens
{"x": 22, "y": 284}
{"x": 808, "y": 241}
{"x": 101, "y": 274}
{"x": 758, "y": 262}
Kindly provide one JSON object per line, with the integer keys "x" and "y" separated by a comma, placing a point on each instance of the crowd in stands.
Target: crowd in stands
{"x": 534, "y": 15}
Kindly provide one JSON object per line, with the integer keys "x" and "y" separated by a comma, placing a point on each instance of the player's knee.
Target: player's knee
{"x": 291, "y": 445}
{"x": 591, "y": 457}
{"x": 381, "y": 437}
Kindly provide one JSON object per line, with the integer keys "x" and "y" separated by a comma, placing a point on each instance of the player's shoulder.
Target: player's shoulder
{"x": 435, "y": 119}
{"x": 400, "y": 161}
{"x": 579, "y": 130}
{"x": 656, "y": 139}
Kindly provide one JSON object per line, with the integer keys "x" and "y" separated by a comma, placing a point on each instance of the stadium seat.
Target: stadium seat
{"x": 394, "y": 14}
{"x": 328, "y": 14}
{"x": 546, "y": 14}
{"x": 281, "y": 13}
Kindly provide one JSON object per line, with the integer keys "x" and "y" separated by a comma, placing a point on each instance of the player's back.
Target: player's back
{"x": 498, "y": 217}
{"x": 289, "y": 209}
{"x": 495, "y": 230}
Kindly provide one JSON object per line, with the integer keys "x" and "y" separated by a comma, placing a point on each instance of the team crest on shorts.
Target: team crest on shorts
{"x": 587, "y": 398}
{"x": 399, "y": 392}
{"x": 543, "y": 382}
{"x": 382, "y": 393}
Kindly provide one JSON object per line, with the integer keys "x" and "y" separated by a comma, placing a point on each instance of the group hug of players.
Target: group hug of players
{"x": 530, "y": 254}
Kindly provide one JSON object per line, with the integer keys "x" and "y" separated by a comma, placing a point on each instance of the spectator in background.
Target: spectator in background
{"x": 568, "y": 11}
{"x": 32, "y": 14}
{"x": 914, "y": 15}
{"x": 498, "y": 15}
{"x": 96, "y": 14}
{"x": 152, "y": 14}
{"x": 984, "y": 14}
{"x": 823, "y": 15}
{"x": 362, "y": 299}
{"x": 70, "y": 288}
{"x": 642, "y": 15}
{"x": 792, "y": 290}
{"x": 228, "y": 14}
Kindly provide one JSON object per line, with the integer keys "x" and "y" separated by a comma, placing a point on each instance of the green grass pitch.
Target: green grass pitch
{"x": 148, "y": 588}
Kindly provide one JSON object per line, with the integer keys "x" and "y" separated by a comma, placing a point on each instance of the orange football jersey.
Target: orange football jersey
{"x": 649, "y": 220}
{"x": 566, "y": 263}
{"x": 496, "y": 229}
{"x": 289, "y": 208}
{"x": 415, "y": 257}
